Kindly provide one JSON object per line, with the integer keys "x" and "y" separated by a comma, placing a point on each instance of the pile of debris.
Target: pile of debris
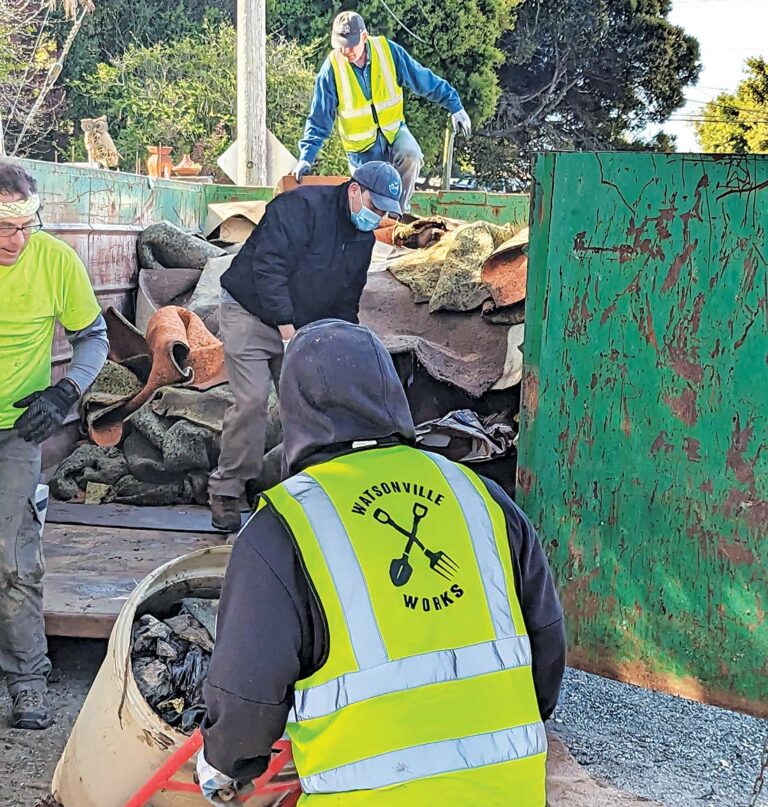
{"x": 446, "y": 297}
{"x": 154, "y": 416}
{"x": 170, "y": 660}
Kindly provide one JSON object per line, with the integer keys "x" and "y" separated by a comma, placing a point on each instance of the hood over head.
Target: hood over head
{"x": 338, "y": 385}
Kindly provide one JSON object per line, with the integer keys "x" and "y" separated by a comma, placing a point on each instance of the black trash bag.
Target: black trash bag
{"x": 154, "y": 680}
{"x": 170, "y": 661}
{"x": 188, "y": 675}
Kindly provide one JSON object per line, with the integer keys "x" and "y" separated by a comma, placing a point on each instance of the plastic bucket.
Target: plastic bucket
{"x": 118, "y": 742}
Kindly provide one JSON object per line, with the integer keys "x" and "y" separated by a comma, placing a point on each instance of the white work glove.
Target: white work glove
{"x": 462, "y": 123}
{"x": 217, "y": 787}
{"x": 302, "y": 168}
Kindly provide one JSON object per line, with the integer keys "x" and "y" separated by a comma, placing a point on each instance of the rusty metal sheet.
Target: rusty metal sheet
{"x": 504, "y": 273}
{"x": 461, "y": 349}
{"x": 644, "y": 425}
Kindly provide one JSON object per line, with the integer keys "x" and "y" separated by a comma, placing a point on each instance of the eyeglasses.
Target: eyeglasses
{"x": 9, "y": 230}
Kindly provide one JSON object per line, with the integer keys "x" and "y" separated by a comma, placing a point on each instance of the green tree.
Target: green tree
{"x": 183, "y": 94}
{"x": 458, "y": 39}
{"x": 117, "y": 25}
{"x": 738, "y": 122}
{"x": 584, "y": 75}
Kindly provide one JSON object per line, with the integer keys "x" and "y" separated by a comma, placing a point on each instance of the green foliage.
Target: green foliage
{"x": 117, "y": 25}
{"x": 183, "y": 94}
{"x": 738, "y": 122}
{"x": 460, "y": 44}
{"x": 583, "y": 75}
{"x": 180, "y": 94}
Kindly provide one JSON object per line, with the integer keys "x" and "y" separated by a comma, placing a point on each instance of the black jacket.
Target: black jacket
{"x": 305, "y": 260}
{"x": 338, "y": 385}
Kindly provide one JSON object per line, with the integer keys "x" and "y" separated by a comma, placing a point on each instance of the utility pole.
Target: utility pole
{"x": 448, "y": 143}
{"x": 251, "y": 92}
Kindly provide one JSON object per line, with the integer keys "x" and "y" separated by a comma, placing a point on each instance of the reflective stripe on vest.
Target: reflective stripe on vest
{"x": 473, "y": 703}
{"x": 357, "y": 125}
{"x": 433, "y": 759}
{"x": 344, "y": 568}
{"x": 409, "y": 673}
{"x": 476, "y": 514}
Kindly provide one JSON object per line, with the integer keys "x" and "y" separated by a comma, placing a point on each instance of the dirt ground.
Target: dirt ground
{"x": 27, "y": 759}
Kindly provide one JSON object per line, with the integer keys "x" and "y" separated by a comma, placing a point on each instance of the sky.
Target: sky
{"x": 729, "y": 31}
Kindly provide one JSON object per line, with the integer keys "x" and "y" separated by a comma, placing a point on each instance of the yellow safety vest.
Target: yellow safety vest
{"x": 357, "y": 125}
{"x": 427, "y": 695}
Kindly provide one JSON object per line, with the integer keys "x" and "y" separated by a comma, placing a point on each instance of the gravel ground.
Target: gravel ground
{"x": 659, "y": 747}
{"x": 27, "y": 758}
{"x": 669, "y": 749}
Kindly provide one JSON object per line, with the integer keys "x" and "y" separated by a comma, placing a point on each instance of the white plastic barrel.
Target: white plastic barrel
{"x": 118, "y": 742}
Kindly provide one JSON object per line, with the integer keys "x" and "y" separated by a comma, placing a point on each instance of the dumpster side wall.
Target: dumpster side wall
{"x": 499, "y": 208}
{"x": 643, "y": 456}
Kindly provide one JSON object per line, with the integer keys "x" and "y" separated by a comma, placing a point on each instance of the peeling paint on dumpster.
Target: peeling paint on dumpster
{"x": 643, "y": 456}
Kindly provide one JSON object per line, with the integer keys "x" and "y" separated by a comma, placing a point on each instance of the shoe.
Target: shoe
{"x": 225, "y": 513}
{"x": 252, "y": 494}
{"x": 30, "y": 710}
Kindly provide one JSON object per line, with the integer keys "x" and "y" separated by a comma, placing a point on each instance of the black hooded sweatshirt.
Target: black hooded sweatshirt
{"x": 338, "y": 387}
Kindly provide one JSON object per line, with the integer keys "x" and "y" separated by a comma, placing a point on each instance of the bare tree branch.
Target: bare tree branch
{"x": 30, "y": 65}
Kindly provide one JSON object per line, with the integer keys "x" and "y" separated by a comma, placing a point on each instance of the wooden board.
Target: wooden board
{"x": 90, "y": 571}
{"x": 180, "y": 518}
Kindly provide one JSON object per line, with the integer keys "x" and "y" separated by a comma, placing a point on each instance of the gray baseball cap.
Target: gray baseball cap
{"x": 348, "y": 28}
{"x": 383, "y": 183}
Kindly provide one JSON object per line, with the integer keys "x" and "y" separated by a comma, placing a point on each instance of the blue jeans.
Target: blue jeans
{"x": 404, "y": 154}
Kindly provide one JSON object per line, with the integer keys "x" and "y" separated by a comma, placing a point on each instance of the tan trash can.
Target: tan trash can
{"x": 118, "y": 742}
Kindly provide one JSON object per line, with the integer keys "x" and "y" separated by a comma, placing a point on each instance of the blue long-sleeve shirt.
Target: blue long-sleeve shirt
{"x": 417, "y": 78}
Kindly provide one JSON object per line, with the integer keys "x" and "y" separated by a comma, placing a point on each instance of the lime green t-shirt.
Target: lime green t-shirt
{"x": 47, "y": 283}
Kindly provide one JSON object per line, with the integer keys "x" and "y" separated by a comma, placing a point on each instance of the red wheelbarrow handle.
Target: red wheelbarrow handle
{"x": 162, "y": 778}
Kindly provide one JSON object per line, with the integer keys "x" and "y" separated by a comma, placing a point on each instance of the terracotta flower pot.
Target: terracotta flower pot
{"x": 159, "y": 162}
{"x": 187, "y": 167}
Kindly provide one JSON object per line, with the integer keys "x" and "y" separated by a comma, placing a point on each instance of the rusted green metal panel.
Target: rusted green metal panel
{"x": 644, "y": 430}
{"x": 87, "y": 195}
{"x": 500, "y": 208}
{"x": 97, "y": 197}
{"x": 236, "y": 193}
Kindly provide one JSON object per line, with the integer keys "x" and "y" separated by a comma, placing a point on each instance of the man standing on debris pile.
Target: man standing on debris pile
{"x": 41, "y": 281}
{"x": 306, "y": 260}
{"x": 394, "y": 609}
{"x": 361, "y": 83}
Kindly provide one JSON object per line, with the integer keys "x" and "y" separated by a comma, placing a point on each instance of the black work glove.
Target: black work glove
{"x": 47, "y": 410}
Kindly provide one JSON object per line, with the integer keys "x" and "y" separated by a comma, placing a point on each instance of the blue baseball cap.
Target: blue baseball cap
{"x": 383, "y": 183}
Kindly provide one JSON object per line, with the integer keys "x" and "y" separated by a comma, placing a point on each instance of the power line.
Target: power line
{"x": 700, "y": 3}
{"x": 716, "y": 120}
{"x": 744, "y": 49}
{"x": 402, "y": 24}
{"x": 725, "y": 105}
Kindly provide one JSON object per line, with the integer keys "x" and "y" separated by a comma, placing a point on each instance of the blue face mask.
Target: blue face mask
{"x": 366, "y": 220}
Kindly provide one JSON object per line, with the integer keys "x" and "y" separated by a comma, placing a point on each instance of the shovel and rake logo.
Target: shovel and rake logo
{"x": 400, "y": 569}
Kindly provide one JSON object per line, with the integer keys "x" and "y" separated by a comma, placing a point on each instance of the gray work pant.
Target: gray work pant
{"x": 253, "y": 353}
{"x": 23, "y": 647}
{"x": 404, "y": 154}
